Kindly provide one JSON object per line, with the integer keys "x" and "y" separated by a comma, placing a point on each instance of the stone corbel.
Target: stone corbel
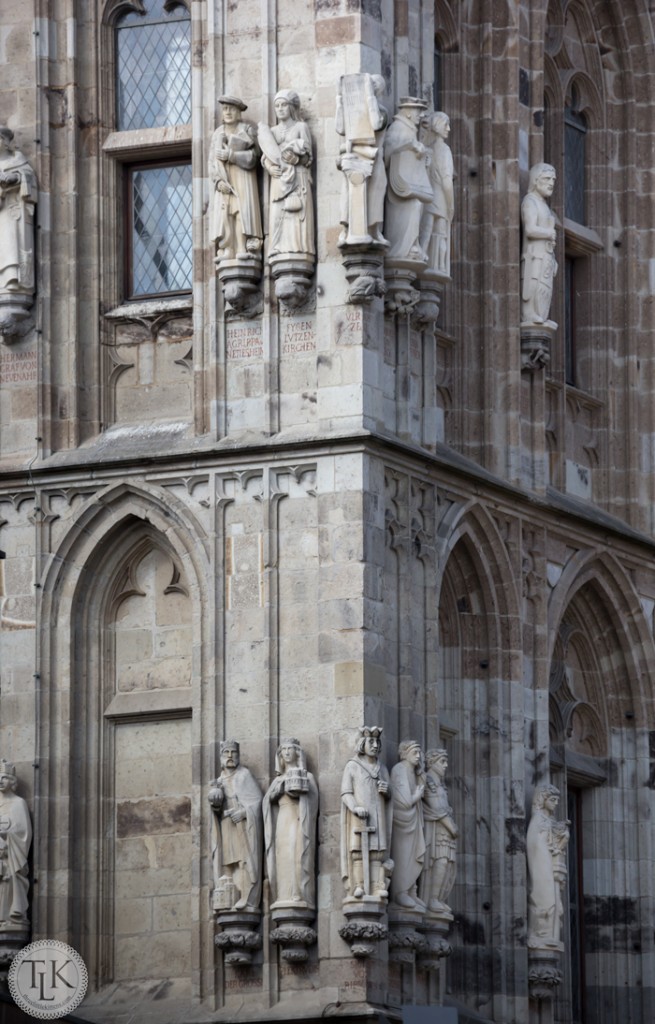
{"x": 536, "y": 340}
{"x": 239, "y": 937}
{"x": 292, "y": 273}
{"x": 16, "y": 318}
{"x": 366, "y": 925}
{"x": 426, "y": 311}
{"x": 240, "y": 281}
{"x": 544, "y": 974}
{"x": 405, "y": 940}
{"x": 293, "y": 933}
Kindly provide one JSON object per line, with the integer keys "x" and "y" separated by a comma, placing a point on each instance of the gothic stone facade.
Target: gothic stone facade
{"x": 294, "y": 522}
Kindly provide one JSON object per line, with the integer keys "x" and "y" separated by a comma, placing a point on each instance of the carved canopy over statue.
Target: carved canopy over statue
{"x": 15, "y": 841}
{"x": 366, "y": 819}
{"x": 407, "y": 843}
{"x": 546, "y": 844}
{"x": 237, "y": 848}
{"x": 538, "y": 263}
{"x": 290, "y": 812}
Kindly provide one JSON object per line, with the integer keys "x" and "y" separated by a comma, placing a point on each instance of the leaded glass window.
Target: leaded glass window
{"x": 575, "y": 130}
{"x": 153, "y": 66}
{"x": 160, "y": 215}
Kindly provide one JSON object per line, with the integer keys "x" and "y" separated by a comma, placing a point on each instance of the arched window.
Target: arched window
{"x": 575, "y": 130}
{"x": 152, "y": 90}
{"x": 153, "y": 66}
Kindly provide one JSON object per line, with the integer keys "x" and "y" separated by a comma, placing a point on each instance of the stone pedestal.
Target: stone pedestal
{"x": 11, "y": 941}
{"x": 404, "y": 938}
{"x": 400, "y": 276}
{"x": 544, "y": 974}
{"x": 292, "y": 931}
{"x": 240, "y": 280}
{"x": 292, "y": 274}
{"x": 15, "y": 316}
{"x": 434, "y": 932}
{"x": 366, "y": 924}
{"x": 364, "y": 270}
{"x": 426, "y": 311}
{"x": 536, "y": 342}
{"x": 239, "y": 937}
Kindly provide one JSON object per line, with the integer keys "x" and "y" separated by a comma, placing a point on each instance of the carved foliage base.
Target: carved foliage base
{"x": 426, "y": 311}
{"x": 364, "y": 272}
{"x": 400, "y": 276}
{"x": 15, "y": 316}
{"x": 404, "y": 939}
{"x": 544, "y": 974}
{"x": 293, "y": 277}
{"x": 239, "y": 938}
{"x": 435, "y": 945}
{"x": 535, "y": 345}
{"x": 240, "y": 280}
{"x": 366, "y": 925}
{"x": 292, "y": 933}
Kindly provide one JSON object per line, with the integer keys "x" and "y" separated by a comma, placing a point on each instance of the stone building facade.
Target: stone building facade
{"x": 309, "y": 513}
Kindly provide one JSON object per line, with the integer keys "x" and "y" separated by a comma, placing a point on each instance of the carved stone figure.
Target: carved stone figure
{"x": 287, "y": 156}
{"x": 538, "y": 264}
{"x": 408, "y": 842}
{"x": 235, "y": 220}
{"x": 438, "y": 214}
{"x": 362, "y": 120}
{"x": 546, "y": 844}
{"x": 15, "y": 841}
{"x": 441, "y": 834}
{"x": 366, "y": 819}
{"x": 18, "y": 195}
{"x": 290, "y": 811}
{"x": 409, "y": 188}
{"x": 237, "y": 846}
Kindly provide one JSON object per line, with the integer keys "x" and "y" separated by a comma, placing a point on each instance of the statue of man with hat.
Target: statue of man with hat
{"x": 409, "y": 188}
{"x": 235, "y": 218}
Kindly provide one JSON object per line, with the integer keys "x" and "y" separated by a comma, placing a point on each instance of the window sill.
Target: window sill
{"x": 580, "y": 240}
{"x": 148, "y": 143}
{"x": 141, "y": 309}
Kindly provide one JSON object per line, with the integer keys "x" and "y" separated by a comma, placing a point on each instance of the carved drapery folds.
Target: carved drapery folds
{"x": 290, "y": 812}
{"x": 237, "y": 856}
{"x": 538, "y": 268}
{"x": 18, "y": 194}
{"x": 15, "y": 842}
{"x": 235, "y": 218}
{"x": 546, "y": 845}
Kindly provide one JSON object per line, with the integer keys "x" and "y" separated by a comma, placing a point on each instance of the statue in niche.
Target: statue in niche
{"x": 15, "y": 841}
{"x": 409, "y": 188}
{"x": 290, "y": 812}
{"x": 441, "y": 835}
{"x": 235, "y": 219}
{"x": 18, "y": 195}
{"x": 287, "y": 157}
{"x": 438, "y": 214}
{"x": 237, "y": 847}
{"x": 538, "y": 263}
{"x": 362, "y": 119}
{"x": 366, "y": 819}
{"x": 546, "y": 844}
{"x": 408, "y": 841}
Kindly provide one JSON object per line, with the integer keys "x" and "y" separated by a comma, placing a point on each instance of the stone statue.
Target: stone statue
{"x": 362, "y": 120}
{"x": 366, "y": 819}
{"x": 237, "y": 847}
{"x": 538, "y": 264}
{"x": 438, "y": 214}
{"x": 546, "y": 844}
{"x": 290, "y": 812}
{"x": 441, "y": 834}
{"x": 15, "y": 841}
{"x": 235, "y": 219}
{"x": 408, "y": 842}
{"x": 287, "y": 157}
{"x": 18, "y": 194}
{"x": 409, "y": 188}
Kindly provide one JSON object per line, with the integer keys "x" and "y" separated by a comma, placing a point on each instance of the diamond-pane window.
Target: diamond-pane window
{"x": 153, "y": 67}
{"x": 160, "y": 229}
